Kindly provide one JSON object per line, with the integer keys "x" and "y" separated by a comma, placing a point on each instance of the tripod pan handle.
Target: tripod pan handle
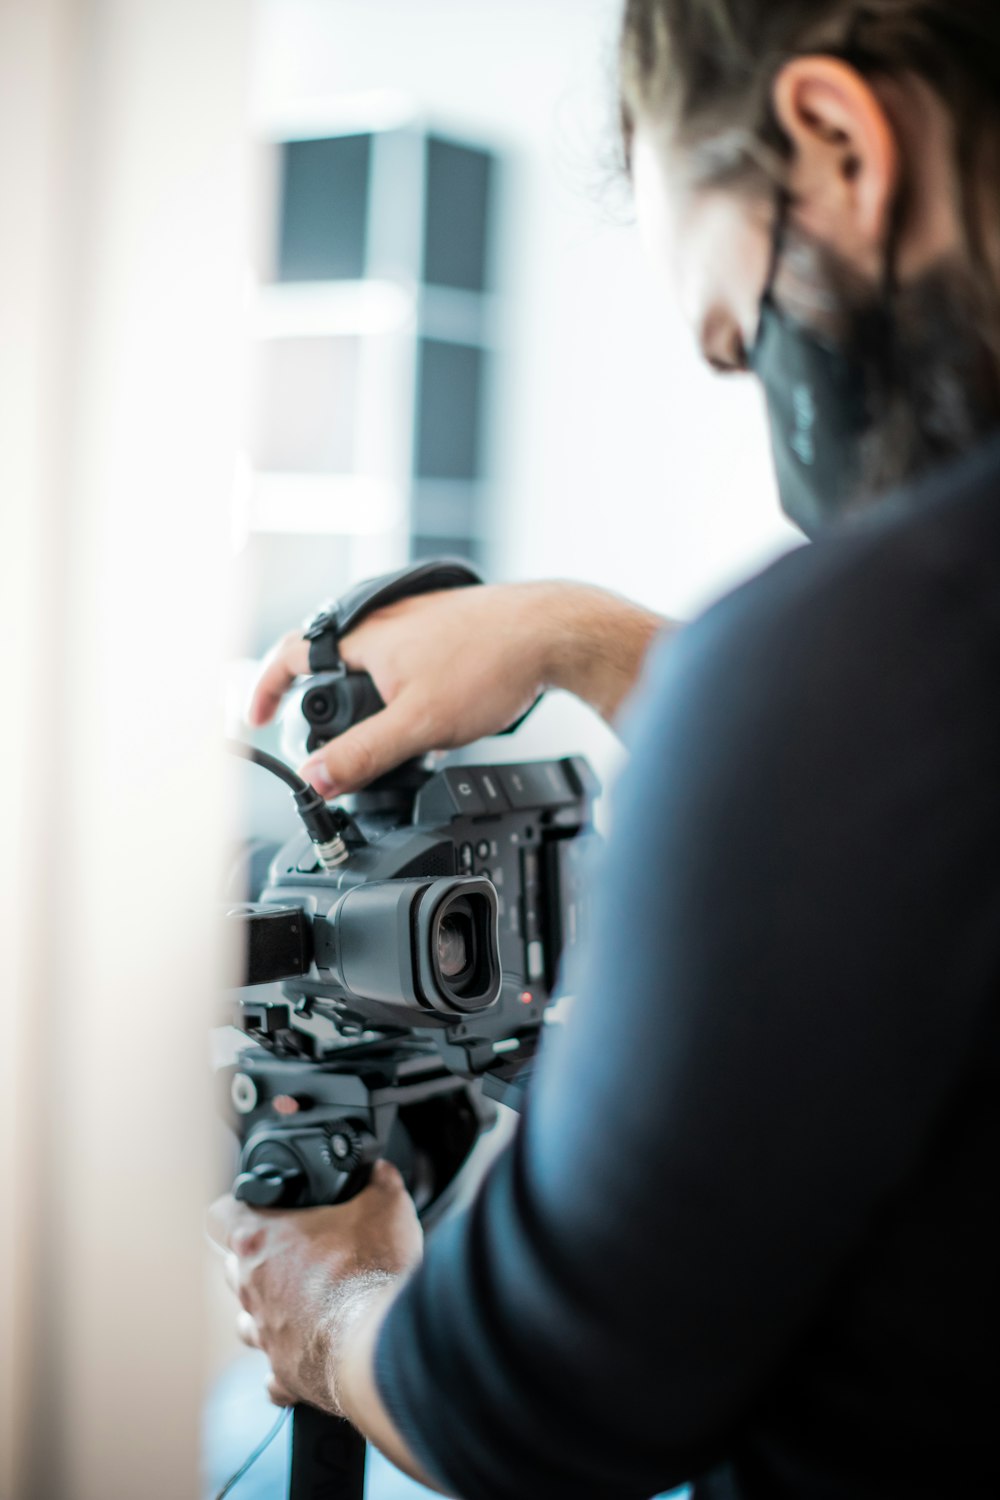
{"x": 328, "y": 1458}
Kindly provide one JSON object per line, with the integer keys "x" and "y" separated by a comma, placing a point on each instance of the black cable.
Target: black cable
{"x": 328, "y": 827}
{"x": 269, "y": 763}
{"x": 248, "y": 1463}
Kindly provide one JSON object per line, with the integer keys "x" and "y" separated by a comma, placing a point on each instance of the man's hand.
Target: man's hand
{"x": 304, "y": 1278}
{"x": 456, "y": 666}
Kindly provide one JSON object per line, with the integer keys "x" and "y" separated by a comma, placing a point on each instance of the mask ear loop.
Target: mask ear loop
{"x": 783, "y": 203}
{"x": 890, "y": 278}
{"x": 864, "y": 61}
{"x": 854, "y": 52}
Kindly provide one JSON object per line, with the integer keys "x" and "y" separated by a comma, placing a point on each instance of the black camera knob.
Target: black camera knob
{"x": 268, "y": 1186}
{"x": 350, "y": 1146}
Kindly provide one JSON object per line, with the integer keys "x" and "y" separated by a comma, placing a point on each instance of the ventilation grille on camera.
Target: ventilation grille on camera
{"x": 435, "y": 863}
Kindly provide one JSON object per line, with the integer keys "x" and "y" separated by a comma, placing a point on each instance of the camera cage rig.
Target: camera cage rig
{"x": 410, "y": 942}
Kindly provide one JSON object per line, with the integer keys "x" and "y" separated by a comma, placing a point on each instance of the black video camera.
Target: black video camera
{"x": 411, "y": 939}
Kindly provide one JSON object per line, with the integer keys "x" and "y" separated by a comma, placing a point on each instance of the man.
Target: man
{"x": 748, "y": 1232}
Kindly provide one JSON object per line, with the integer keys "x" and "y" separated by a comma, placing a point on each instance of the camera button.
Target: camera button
{"x": 540, "y": 785}
{"x": 491, "y": 791}
{"x": 464, "y": 792}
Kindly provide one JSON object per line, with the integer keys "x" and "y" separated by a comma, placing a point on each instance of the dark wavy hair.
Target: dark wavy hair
{"x": 704, "y": 70}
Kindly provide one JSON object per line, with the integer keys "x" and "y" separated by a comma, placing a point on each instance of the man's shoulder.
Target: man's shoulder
{"x": 925, "y": 563}
{"x": 887, "y": 620}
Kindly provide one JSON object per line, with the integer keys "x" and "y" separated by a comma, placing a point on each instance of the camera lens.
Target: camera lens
{"x": 317, "y": 707}
{"x": 419, "y": 945}
{"x": 455, "y": 940}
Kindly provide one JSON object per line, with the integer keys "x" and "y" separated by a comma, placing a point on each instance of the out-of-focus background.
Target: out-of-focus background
{"x": 458, "y": 347}
{"x": 293, "y": 291}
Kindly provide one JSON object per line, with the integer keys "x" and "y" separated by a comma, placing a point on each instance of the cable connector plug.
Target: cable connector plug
{"x": 325, "y": 826}
{"x": 332, "y": 831}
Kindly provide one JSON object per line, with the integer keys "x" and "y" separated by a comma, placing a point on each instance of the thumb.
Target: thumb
{"x": 367, "y": 751}
{"x": 387, "y": 1177}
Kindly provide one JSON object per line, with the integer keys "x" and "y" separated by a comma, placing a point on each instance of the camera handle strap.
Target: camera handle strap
{"x": 328, "y": 1458}
{"x": 325, "y": 632}
{"x": 338, "y": 619}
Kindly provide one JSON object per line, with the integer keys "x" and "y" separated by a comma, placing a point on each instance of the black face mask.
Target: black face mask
{"x": 819, "y": 406}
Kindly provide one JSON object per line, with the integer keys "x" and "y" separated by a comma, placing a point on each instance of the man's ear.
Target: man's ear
{"x": 846, "y": 163}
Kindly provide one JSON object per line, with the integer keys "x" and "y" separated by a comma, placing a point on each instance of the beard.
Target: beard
{"x": 929, "y": 355}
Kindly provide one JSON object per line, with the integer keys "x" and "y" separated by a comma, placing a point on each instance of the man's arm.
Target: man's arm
{"x": 460, "y": 665}
{"x": 315, "y": 1287}
{"x": 771, "y": 1014}
{"x": 353, "y": 1360}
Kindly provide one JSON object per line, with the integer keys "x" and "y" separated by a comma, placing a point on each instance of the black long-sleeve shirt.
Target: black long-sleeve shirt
{"x": 749, "y": 1231}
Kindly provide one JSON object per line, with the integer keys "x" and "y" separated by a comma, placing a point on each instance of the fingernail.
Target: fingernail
{"x": 316, "y": 774}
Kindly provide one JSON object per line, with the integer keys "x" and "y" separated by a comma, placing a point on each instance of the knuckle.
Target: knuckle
{"x": 361, "y": 761}
{"x": 426, "y": 721}
{"x": 246, "y": 1240}
{"x": 246, "y": 1329}
{"x": 389, "y": 1177}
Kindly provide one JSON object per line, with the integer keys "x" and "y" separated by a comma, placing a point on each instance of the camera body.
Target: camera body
{"x": 414, "y": 979}
{"x": 398, "y": 975}
{"x": 497, "y": 840}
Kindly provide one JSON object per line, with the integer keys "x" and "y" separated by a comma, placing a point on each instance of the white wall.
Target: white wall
{"x": 620, "y": 458}
{"x": 122, "y": 177}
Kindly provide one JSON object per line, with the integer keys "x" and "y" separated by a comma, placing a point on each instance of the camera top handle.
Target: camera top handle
{"x": 338, "y": 619}
{"x": 340, "y": 698}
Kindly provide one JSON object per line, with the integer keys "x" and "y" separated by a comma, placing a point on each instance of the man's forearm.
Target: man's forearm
{"x": 457, "y": 666}
{"x": 354, "y": 1334}
{"x": 594, "y": 643}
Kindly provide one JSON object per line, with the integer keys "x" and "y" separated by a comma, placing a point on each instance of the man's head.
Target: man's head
{"x": 835, "y": 163}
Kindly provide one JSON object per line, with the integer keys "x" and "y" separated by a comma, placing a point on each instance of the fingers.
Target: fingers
{"x": 246, "y": 1330}
{"x": 387, "y": 1178}
{"x": 369, "y": 750}
{"x": 235, "y": 1284}
{"x": 288, "y": 660}
{"x": 220, "y": 1220}
{"x": 234, "y": 1226}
